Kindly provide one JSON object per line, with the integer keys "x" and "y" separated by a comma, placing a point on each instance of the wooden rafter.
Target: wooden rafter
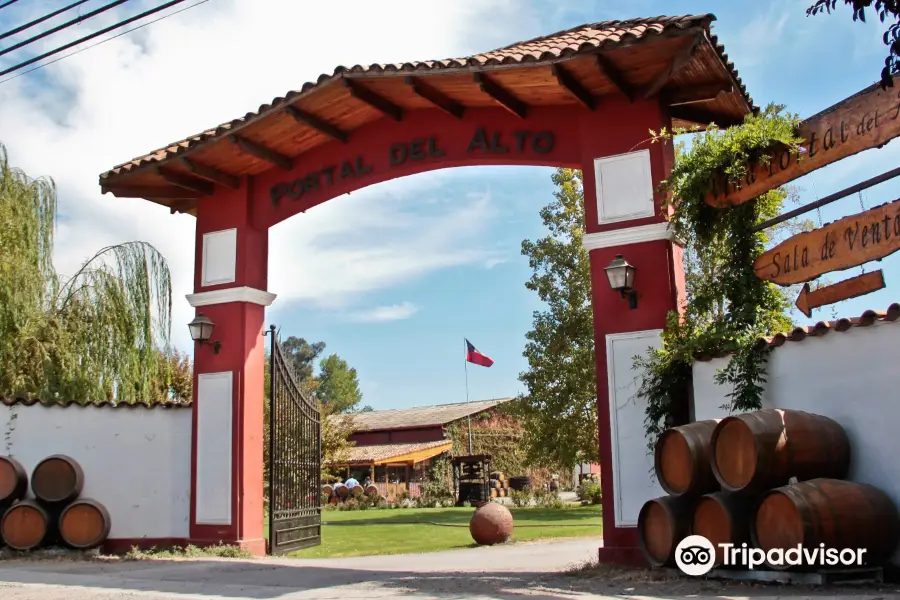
{"x": 615, "y": 75}
{"x": 702, "y": 117}
{"x": 317, "y": 123}
{"x": 503, "y": 97}
{"x": 697, "y": 93}
{"x": 263, "y": 153}
{"x": 151, "y": 193}
{"x": 439, "y": 99}
{"x": 574, "y": 87}
{"x": 212, "y": 174}
{"x": 376, "y": 101}
{"x": 187, "y": 182}
{"x": 678, "y": 61}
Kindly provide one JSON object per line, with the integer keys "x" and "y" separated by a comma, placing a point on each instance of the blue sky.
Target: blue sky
{"x": 392, "y": 277}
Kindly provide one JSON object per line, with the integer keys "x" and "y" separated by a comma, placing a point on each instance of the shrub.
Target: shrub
{"x": 547, "y": 499}
{"x": 590, "y": 492}
{"x": 521, "y": 498}
{"x": 435, "y": 489}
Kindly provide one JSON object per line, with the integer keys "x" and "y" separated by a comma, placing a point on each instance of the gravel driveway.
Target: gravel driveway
{"x": 524, "y": 571}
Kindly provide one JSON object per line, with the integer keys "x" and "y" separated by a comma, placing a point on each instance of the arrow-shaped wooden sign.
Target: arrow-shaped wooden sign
{"x": 844, "y": 290}
{"x": 865, "y": 120}
{"x": 848, "y": 242}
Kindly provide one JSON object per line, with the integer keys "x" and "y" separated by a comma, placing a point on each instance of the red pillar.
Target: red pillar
{"x": 623, "y": 213}
{"x": 227, "y": 449}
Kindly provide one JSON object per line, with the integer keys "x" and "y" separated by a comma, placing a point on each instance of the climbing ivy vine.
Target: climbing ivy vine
{"x": 728, "y": 307}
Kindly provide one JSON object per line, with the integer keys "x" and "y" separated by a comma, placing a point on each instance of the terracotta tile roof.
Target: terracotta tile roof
{"x": 384, "y": 452}
{"x": 421, "y": 416}
{"x": 798, "y": 334}
{"x": 583, "y": 39}
{"x": 69, "y": 403}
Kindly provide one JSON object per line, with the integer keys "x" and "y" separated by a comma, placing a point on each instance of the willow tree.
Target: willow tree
{"x": 95, "y": 335}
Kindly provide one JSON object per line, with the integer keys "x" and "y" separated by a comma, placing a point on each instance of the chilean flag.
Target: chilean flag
{"x": 475, "y": 357}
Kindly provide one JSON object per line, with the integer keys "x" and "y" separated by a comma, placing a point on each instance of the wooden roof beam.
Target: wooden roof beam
{"x": 697, "y": 93}
{"x": 574, "y": 87}
{"x": 501, "y": 96}
{"x": 678, "y": 62}
{"x": 612, "y": 72}
{"x": 212, "y": 174}
{"x": 376, "y": 101}
{"x": 320, "y": 125}
{"x": 150, "y": 192}
{"x": 702, "y": 117}
{"x": 439, "y": 99}
{"x": 261, "y": 152}
{"x": 187, "y": 182}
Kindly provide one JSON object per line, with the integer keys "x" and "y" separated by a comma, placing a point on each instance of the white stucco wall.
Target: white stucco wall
{"x": 851, "y": 377}
{"x": 136, "y": 461}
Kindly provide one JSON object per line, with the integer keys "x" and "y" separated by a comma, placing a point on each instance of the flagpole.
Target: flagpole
{"x": 469, "y": 416}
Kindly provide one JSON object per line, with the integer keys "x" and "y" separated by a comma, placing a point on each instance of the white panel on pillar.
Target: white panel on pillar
{"x": 214, "y": 425}
{"x": 219, "y": 257}
{"x": 624, "y": 187}
{"x": 633, "y": 480}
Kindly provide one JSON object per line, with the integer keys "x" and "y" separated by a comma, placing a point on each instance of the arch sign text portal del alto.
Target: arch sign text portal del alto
{"x": 584, "y": 98}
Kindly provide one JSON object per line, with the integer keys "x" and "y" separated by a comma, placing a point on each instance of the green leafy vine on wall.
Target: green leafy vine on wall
{"x": 494, "y": 433}
{"x": 728, "y": 307}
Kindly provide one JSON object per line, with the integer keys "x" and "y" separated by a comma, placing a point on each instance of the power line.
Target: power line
{"x": 40, "y": 20}
{"x": 109, "y": 39}
{"x": 5, "y": 4}
{"x": 65, "y": 25}
{"x": 91, "y": 36}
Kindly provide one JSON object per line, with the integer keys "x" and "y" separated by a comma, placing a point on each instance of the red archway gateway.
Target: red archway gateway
{"x": 583, "y": 98}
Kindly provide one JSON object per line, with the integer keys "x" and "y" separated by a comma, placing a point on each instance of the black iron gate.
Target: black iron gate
{"x": 295, "y": 455}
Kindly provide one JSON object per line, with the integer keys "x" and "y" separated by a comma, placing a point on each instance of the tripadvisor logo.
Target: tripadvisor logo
{"x": 696, "y": 555}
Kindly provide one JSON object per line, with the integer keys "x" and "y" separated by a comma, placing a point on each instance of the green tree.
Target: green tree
{"x": 302, "y": 355}
{"x": 176, "y": 378}
{"x": 338, "y": 388}
{"x": 560, "y": 407}
{"x": 94, "y": 336}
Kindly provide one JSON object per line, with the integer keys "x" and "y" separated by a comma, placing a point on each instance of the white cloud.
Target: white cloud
{"x": 382, "y": 314}
{"x": 79, "y": 117}
{"x": 493, "y": 262}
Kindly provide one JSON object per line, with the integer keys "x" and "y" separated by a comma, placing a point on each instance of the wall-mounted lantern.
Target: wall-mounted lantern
{"x": 201, "y": 331}
{"x": 621, "y": 279}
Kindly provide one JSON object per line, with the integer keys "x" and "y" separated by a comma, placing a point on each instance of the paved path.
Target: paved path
{"x": 526, "y": 571}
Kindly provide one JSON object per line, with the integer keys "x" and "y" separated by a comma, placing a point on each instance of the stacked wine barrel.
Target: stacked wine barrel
{"x": 56, "y": 515}
{"x": 498, "y": 485}
{"x": 769, "y": 479}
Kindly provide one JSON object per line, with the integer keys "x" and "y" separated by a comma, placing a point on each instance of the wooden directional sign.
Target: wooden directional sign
{"x": 862, "y": 121}
{"x": 844, "y": 290}
{"x": 849, "y": 242}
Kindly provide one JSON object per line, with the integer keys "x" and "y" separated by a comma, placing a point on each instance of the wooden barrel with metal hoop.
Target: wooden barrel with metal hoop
{"x": 57, "y": 479}
{"x": 839, "y": 514}
{"x": 25, "y": 525}
{"x": 722, "y": 518}
{"x": 662, "y": 524}
{"x": 84, "y": 524}
{"x": 682, "y": 457}
{"x": 13, "y": 481}
{"x": 760, "y": 450}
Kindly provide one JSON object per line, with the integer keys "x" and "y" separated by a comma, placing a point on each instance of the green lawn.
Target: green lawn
{"x": 402, "y": 531}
